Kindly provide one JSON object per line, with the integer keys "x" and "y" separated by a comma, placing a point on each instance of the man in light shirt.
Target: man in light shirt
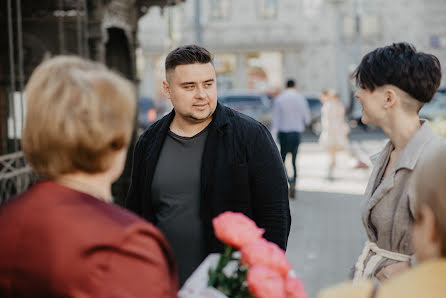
{"x": 291, "y": 115}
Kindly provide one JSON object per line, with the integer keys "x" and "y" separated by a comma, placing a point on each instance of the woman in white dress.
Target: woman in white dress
{"x": 334, "y": 133}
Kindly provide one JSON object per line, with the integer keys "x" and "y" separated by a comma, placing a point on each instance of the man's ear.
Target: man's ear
{"x": 391, "y": 97}
{"x": 166, "y": 88}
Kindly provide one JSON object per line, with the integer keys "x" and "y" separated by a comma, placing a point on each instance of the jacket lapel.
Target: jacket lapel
{"x": 151, "y": 160}
{"x": 373, "y": 193}
{"x": 407, "y": 159}
{"x": 216, "y": 130}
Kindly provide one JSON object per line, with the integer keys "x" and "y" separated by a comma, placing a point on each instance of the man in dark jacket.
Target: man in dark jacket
{"x": 203, "y": 159}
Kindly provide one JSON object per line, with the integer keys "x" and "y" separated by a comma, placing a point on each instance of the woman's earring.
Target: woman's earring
{"x": 385, "y": 107}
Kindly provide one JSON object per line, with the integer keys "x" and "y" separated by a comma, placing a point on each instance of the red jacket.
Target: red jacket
{"x": 58, "y": 242}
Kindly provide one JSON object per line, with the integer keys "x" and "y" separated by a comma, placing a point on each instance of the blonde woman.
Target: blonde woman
{"x": 64, "y": 237}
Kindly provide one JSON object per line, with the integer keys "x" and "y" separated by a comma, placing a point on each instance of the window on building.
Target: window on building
{"x": 267, "y": 9}
{"x": 220, "y": 9}
{"x": 225, "y": 66}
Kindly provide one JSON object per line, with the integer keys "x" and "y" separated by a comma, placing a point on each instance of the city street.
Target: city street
{"x": 326, "y": 233}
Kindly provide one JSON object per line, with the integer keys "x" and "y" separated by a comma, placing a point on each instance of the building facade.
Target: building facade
{"x": 260, "y": 43}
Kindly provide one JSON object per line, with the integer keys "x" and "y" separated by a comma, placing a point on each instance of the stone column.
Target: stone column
{"x": 241, "y": 75}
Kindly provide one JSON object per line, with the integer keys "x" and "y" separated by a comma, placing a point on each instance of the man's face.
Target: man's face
{"x": 192, "y": 89}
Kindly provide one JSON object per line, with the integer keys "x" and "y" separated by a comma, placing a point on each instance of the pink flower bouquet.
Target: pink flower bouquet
{"x": 236, "y": 229}
{"x": 263, "y": 271}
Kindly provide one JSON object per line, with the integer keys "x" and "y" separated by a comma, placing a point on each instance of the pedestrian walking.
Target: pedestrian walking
{"x": 425, "y": 279}
{"x": 395, "y": 82}
{"x": 203, "y": 159}
{"x": 335, "y": 130}
{"x": 64, "y": 237}
{"x": 291, "y": 115}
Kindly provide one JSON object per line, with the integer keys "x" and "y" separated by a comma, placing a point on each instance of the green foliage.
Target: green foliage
{"x": 233, "y": 286}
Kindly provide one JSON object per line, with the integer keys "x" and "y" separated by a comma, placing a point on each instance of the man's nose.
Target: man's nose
{"x": 200, "y": 92}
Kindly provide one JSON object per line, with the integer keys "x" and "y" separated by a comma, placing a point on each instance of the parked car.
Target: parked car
{"x": 436, "y": 108}
{"x": 253, "y": 104}
{"x": 149, "y": 111}
{"x": 315, "y": 106}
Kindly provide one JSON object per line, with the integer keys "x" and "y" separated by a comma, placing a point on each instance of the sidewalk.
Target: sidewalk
{"x": 326, "y": 232}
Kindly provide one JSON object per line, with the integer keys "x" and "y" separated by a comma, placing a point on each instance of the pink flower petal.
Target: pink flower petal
{"x": 265, "y": 283}
{"x": 236, "y": 229}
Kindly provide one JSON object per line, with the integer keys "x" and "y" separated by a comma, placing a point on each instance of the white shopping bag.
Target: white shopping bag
{"x": 197, "y": 284}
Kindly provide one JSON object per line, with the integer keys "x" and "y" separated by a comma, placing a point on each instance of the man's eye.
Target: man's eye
{"x": 189, "y": 87}
{"x": 208, "y": 84}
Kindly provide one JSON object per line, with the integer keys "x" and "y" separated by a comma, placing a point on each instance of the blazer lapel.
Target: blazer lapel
{"x": 210, "y": 153}
{"x": 374, "y": 193}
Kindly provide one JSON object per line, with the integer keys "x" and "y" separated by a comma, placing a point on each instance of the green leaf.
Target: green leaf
{"x": 234, "y": 285}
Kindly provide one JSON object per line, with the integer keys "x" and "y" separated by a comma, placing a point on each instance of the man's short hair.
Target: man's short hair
{"x": 189, "y": 54}
{"x": 78, "y": 113}
{"x": 401, "y": 65}
{"x": 290, "y": 83}
{"x": 430, "y": 187}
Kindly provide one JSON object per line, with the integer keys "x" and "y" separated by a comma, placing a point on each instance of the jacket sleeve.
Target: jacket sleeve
{"x": 269, "y": 188}
{"x": 141, "y": 266}
{"x": 133, "y": 198}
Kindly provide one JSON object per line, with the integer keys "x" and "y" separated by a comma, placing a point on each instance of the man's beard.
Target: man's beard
{"x": 201, "y": 119}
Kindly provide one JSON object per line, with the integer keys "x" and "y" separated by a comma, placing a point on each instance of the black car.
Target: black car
{"x": 252, "y": 104}
{"x": 147, "y": 112}
{"x": 436, "y": 108}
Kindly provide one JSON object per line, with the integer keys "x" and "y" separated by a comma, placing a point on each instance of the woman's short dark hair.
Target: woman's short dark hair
{"x": 189, "y": 54}
{"x": 401, "y": 65}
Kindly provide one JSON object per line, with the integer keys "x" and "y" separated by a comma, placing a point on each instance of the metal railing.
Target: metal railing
{"x": 15, "y": 175}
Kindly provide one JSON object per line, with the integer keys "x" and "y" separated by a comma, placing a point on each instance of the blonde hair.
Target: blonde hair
{"x": 78, "y": 114}
{"x": 430, "y": 187}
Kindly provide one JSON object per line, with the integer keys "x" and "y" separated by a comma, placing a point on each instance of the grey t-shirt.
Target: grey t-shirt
{"x": 176, "y": 199}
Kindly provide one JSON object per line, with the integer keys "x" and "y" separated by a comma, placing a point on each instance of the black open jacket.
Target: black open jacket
{"x": 242, "y": 171}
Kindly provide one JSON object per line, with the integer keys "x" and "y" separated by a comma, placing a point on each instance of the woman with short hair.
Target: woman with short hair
{"x": 63, "y": 237}
{"x": 395, "y": 82}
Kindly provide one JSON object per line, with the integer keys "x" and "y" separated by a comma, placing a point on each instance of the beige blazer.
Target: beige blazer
{"x": 388, "y": 208}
